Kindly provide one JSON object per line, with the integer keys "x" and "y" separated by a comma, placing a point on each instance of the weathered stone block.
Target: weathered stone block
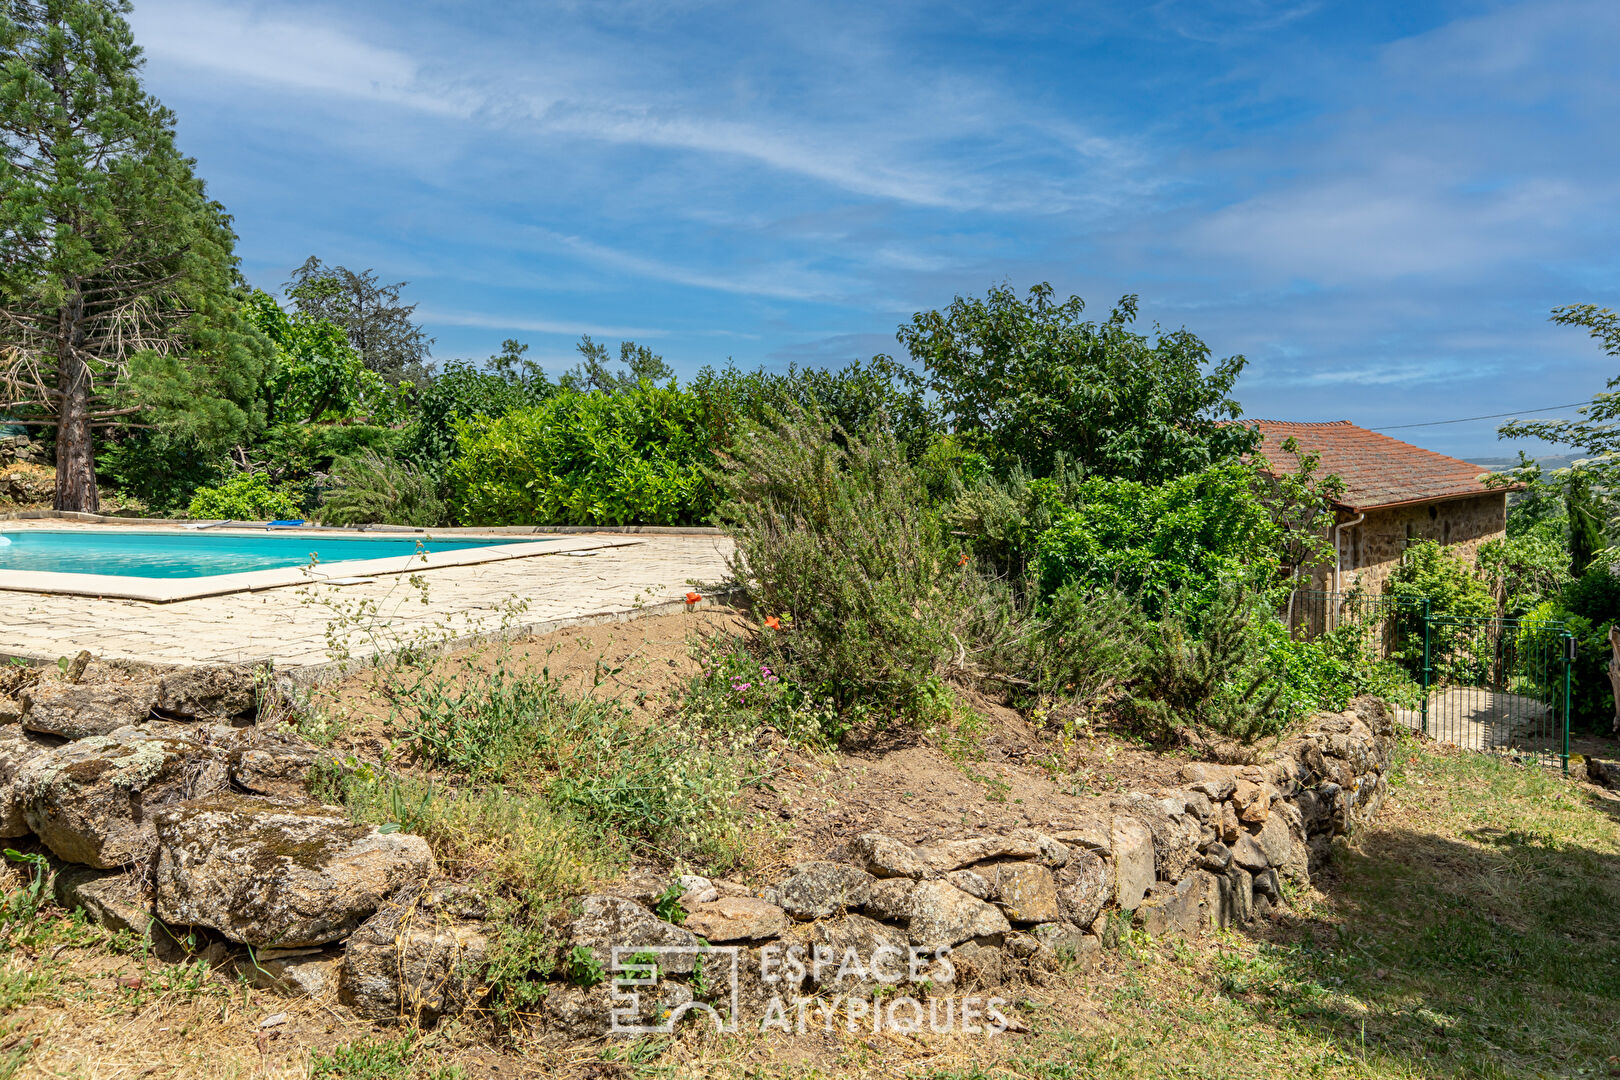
{"x": 76, "y": 711}
{"x": 93, "y": 801}
{"x": 414, "y": 961}
{"x": 942, "y": 914}
{"x": 736, "y": 918}
{"x": 955, "y": 854}
{"x": 275, "y": 874}
{"x": 816, "y": 890}
{"x": 1084, "y": 886}
{"x": 608, "y": 921}
{"x": 884, "y": 856}
{"x": 1133, "y": 861}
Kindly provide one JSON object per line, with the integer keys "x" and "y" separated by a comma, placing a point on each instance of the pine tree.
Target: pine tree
{"x": 117, "y": 276}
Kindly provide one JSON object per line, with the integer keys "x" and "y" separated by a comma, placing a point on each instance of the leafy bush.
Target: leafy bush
{"x": 1589, "y": 605}
{"x": 298, "y": 458}
{"x": 1526, "y": 567}
{"x": 461, "y": 392}
{"x": 638, "y": 457}
{"x": 244, "y": 497}
{"x": 1430, "y": 572}
{"x": 1003, "y": 517}
{"x": 160, "y": 469}
{"x": 1185, "y": 537}
{"x": 836, "y": 543}
{"x": 1210, "y": 671}
{"x": 1329, "y": 671}
{"x": 370, "y": 489}
{"x": 859, "y": 398}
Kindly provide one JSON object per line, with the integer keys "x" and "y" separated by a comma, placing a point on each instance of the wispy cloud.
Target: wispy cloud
{"x": 493, "y": 321}
{"x": 1377, "y": 202}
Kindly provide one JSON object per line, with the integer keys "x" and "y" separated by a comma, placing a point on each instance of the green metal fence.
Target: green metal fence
{"x": 1500, "y": 685}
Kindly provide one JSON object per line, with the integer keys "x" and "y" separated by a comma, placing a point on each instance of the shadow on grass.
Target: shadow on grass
{"x": 1497, "y": 957}
{"x": 1474, "y": 931}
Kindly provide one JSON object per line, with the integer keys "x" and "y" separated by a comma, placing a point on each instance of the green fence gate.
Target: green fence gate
{"x": 1500, "y": 685}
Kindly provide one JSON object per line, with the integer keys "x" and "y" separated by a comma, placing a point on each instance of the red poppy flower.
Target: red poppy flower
{"x": 773, "y": 623}
{"x": 692, "y": 597}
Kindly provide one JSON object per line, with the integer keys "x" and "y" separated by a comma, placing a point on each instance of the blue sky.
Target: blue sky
{"x": 1377, "y": 203}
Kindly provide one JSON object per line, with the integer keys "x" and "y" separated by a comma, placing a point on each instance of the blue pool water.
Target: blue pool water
{"x": 201, "y": 554}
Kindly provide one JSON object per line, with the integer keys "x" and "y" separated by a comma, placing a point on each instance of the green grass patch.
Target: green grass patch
{"x": 380, "y": 1059}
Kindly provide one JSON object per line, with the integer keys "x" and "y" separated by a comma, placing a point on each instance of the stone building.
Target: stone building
{"x": 1395, "y": 494}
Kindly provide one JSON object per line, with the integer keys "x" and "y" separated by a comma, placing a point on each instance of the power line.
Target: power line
{"x": 1492, "y": 416}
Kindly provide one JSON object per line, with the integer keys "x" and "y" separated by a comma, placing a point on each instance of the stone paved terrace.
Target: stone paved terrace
{"x": 626, "y": 575}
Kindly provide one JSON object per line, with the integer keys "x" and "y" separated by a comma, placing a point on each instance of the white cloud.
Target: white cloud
{"x": 886, "y": 144}
{"x": 490, "y": 321}
{"x": 250, "y": 45}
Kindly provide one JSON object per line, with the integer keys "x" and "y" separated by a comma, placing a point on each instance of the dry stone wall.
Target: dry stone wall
{"x": 174, "y": 816}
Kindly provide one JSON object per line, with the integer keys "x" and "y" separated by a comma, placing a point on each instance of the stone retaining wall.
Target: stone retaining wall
{"x": 173, "y": 815}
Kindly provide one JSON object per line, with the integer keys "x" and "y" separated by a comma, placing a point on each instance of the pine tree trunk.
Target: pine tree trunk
{"x": 75, "y": 450}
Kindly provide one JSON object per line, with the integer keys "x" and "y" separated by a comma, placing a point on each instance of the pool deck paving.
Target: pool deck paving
{"x": 312, "y": 627}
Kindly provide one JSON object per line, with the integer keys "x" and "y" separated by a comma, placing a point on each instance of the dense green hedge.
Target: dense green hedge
{"x": 637, "y": 457}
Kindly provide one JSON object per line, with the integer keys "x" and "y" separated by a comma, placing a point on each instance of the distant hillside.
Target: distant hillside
{"x": 1496, "y": 463}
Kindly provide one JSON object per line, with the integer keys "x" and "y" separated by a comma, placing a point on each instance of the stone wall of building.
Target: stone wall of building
{"x": 1371, "y": 551}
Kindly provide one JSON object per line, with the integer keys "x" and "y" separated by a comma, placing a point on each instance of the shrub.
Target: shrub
{"x": 160, "y": 469}
{"x": 1429, "y": 572}
{"x": 1004, "y": 517}
{"x": 836, "y": 542}
{"x": 1183, "y": 538}
{"x": 459, "y": 393}
{"x": 1527, "y": 567}
{"x": 370, "y": 489}
{"x": 297, "y": 458}
{"x": 862, "y": 397}
{"x": 638, "y": 457}
{"x": 1212, "y": 674}
{"x": 1329, "y": 671}
{"x": 1081, "y": 643}
{"x": 1589, "y": 605}
{"x": 244, "y": 497}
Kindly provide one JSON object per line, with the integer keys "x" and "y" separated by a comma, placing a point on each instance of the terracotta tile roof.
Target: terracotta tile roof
{"x": 1377, "y": 470}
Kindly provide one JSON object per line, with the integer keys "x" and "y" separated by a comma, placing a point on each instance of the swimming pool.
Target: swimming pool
{"x": 180, "y": 562}
{"x": 128, "y": 553}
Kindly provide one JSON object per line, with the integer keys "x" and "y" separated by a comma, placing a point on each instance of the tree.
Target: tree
{"x": 592, "y": 373}
{"x": 377, "y": 321}
{"x": 1028, "y": 381}
{"x": 1586, "y": 531}
{"x": 1302, "y": 503}
{"x": 117, "y": 273}
{"x": 1596, "y": 435}
{"x": 317, "y": 375}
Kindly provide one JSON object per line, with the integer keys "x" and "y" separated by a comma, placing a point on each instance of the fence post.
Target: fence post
{"x": 1425, "y": 665}
{"x": 1569, "y": 664}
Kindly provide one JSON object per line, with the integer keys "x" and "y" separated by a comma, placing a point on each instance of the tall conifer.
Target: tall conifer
{"x": 118, "y": 278}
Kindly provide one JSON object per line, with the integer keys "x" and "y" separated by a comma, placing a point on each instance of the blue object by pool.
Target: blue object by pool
{"x": 203, "y": 554}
